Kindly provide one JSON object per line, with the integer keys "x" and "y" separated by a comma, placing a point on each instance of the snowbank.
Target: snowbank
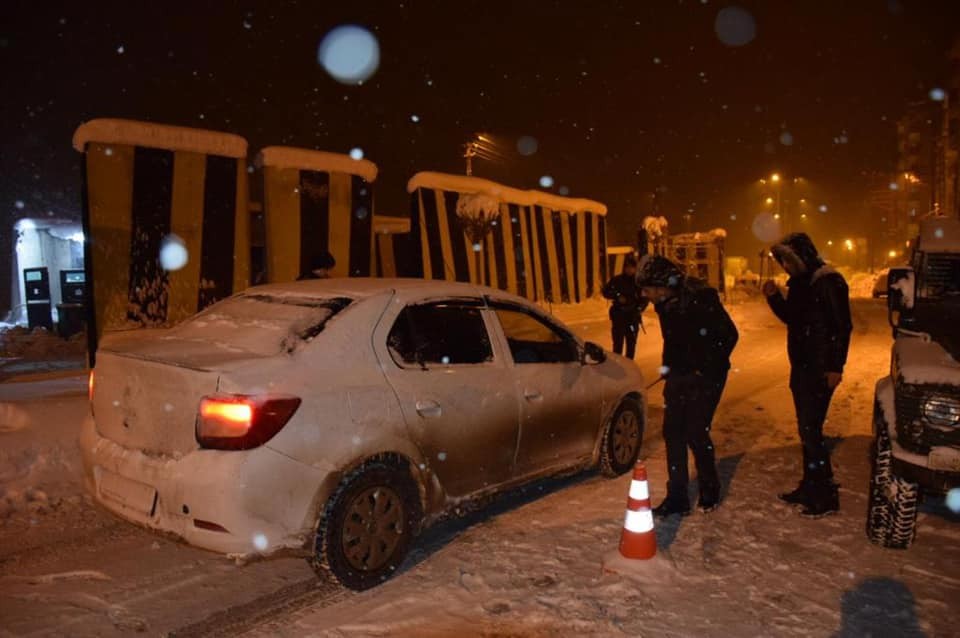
{"x": 37, "y": 344}
{"x": 40, "y": 467}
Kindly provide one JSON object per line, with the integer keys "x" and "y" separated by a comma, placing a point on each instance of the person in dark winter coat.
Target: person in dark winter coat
{"x": 698, "y": 337}
{"x": 627, "y": 309}
{"x": 320, "y": 266}
{"x": 817, "y": 313}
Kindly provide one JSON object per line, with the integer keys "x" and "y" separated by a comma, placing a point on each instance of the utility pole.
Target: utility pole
{"x": 469, "y": 152}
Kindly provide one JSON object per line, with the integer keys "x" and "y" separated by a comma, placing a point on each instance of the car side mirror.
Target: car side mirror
{"x": 901, "y": 290}
{"x": 592, "y": 354}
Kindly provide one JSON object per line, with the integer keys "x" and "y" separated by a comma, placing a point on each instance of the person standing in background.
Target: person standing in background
{"x": 627, "y": 309}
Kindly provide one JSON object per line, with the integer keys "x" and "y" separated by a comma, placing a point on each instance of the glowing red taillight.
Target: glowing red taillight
{"x": 241, "y": 422}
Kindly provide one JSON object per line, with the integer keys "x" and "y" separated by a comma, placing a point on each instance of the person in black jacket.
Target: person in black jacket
{"x": 698, "y": 337}
{"x": 817, "y": 313}
{"x": 628, "y": 306}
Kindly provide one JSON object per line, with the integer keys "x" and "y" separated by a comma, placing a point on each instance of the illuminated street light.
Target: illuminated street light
{"x": 848, "y": 243}
{"x": 775, "y": 177}
{"x": 776, "y": 215}
{"x": 482, "y": 146}
{"x": 892, "y": 254}
{"x": 829, "y": 242}
{"x": 769, "y": 200}
{"x": 803, "y": 215}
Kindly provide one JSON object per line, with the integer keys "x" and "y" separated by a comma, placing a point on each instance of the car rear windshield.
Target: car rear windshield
{"x": 261, "y": 324}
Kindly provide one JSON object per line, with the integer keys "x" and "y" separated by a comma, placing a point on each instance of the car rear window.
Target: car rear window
{"x": 261, "y": 324}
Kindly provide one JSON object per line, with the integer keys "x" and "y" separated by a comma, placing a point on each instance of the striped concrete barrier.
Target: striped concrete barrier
{"x": 539, "y": 246}
{"x": 143, "y": 182}
{"x": 314, "y": 202}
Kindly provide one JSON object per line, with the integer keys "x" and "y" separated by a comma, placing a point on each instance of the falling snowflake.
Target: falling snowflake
{"x": 120, "y": 49}
{"x": 546, "y": 182}
{"x": 414, "y": 118}
{"x": 356, "y": 153}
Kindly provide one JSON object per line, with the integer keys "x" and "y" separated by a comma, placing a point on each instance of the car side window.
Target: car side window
{"x": 439, "y": 334}
{"x": 533, "y": 340}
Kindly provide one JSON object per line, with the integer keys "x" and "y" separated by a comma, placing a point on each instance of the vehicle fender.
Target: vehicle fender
{"x": 393, "y": 448}
{"x": 609, "y": 407}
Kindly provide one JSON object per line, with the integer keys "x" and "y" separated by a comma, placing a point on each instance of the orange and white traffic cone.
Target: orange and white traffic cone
{"x": 638, "y": 541}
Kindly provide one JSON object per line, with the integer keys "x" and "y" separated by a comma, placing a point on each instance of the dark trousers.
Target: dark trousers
{"x": 690, "y": 401}
{"x": 811, "y": 398}
{"x": 624, "y": 332}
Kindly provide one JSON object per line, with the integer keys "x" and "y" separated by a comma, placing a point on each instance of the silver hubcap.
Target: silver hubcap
{"x": 372, "y": 529}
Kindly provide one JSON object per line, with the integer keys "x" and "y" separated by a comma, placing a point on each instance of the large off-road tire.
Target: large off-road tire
{"x": 621, "y": 440}
{"x": 368, "y": 525}
{"x": 892, "y": 510}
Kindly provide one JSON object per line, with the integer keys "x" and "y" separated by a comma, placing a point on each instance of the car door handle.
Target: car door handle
{"x": 532, "y": 395}
{"x": 429, "y": 409}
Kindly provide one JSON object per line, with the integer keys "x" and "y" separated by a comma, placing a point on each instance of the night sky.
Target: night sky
{"x": 623, "y": 97}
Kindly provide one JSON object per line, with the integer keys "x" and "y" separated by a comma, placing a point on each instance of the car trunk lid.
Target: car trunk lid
{"x": 149, "y": 405}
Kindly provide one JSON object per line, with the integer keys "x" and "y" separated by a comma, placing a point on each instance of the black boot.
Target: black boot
{"x": 799, "y": 496}
{"x": 824, "y": 500}
{"x": 671, "y": 506}
{"x": 708, "y": 502}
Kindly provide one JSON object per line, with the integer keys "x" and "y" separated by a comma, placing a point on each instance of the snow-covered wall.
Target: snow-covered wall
{"x": 151, "y": 185}
{"x": 537, "y": 245}
{"x": 314, "y": 202}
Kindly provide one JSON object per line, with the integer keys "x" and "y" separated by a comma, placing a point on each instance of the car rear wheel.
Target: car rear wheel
{"x": 368, "y": 525}
{"x": 622, "y": 437}
{"x": 892, "y": 510}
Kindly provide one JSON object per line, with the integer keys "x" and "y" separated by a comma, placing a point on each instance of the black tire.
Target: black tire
{"x": 622, "y": 439}
{"x": 371, "y": 552}
{"x": 892, "y": 509}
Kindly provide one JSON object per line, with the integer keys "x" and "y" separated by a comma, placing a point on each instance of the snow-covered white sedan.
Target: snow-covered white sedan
{"x": 341, "y": 415}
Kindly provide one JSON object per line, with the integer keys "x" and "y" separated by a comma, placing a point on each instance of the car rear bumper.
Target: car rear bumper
{"x": 251, "y": 502}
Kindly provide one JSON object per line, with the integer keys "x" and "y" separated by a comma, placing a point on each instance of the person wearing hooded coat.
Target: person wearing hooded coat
{"x": 816, "y": 311}
{"x": 698, "y": 337}
{"x": 626, "y": 312}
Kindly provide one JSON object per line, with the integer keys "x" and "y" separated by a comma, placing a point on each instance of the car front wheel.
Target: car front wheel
{"x": 622, "y": 437}
{"x": 368, "y": 525}
{"x": 892, "y": 510}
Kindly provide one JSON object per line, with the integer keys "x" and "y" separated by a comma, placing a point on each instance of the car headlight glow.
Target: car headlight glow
{"x": 942, "y": 410}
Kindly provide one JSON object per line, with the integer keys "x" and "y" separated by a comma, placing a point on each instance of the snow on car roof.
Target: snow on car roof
{"x": 292, "y": 157}
{"x": 164, "y": 136}
{"x": 361, "y": 287}
{"x": 464, "y": 184}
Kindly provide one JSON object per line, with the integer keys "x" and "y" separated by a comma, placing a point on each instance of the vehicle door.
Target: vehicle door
{"x": 561, "y": 398}
{"x": 454, "y": 389}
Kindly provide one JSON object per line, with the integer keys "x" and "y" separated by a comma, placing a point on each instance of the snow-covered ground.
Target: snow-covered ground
{"x": 530, "y": 565}
{"x": 25, "y": 351}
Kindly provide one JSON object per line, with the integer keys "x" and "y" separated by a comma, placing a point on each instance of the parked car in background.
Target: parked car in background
{"x": 342, "y": 415}
{"x": 880, "y": 283}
